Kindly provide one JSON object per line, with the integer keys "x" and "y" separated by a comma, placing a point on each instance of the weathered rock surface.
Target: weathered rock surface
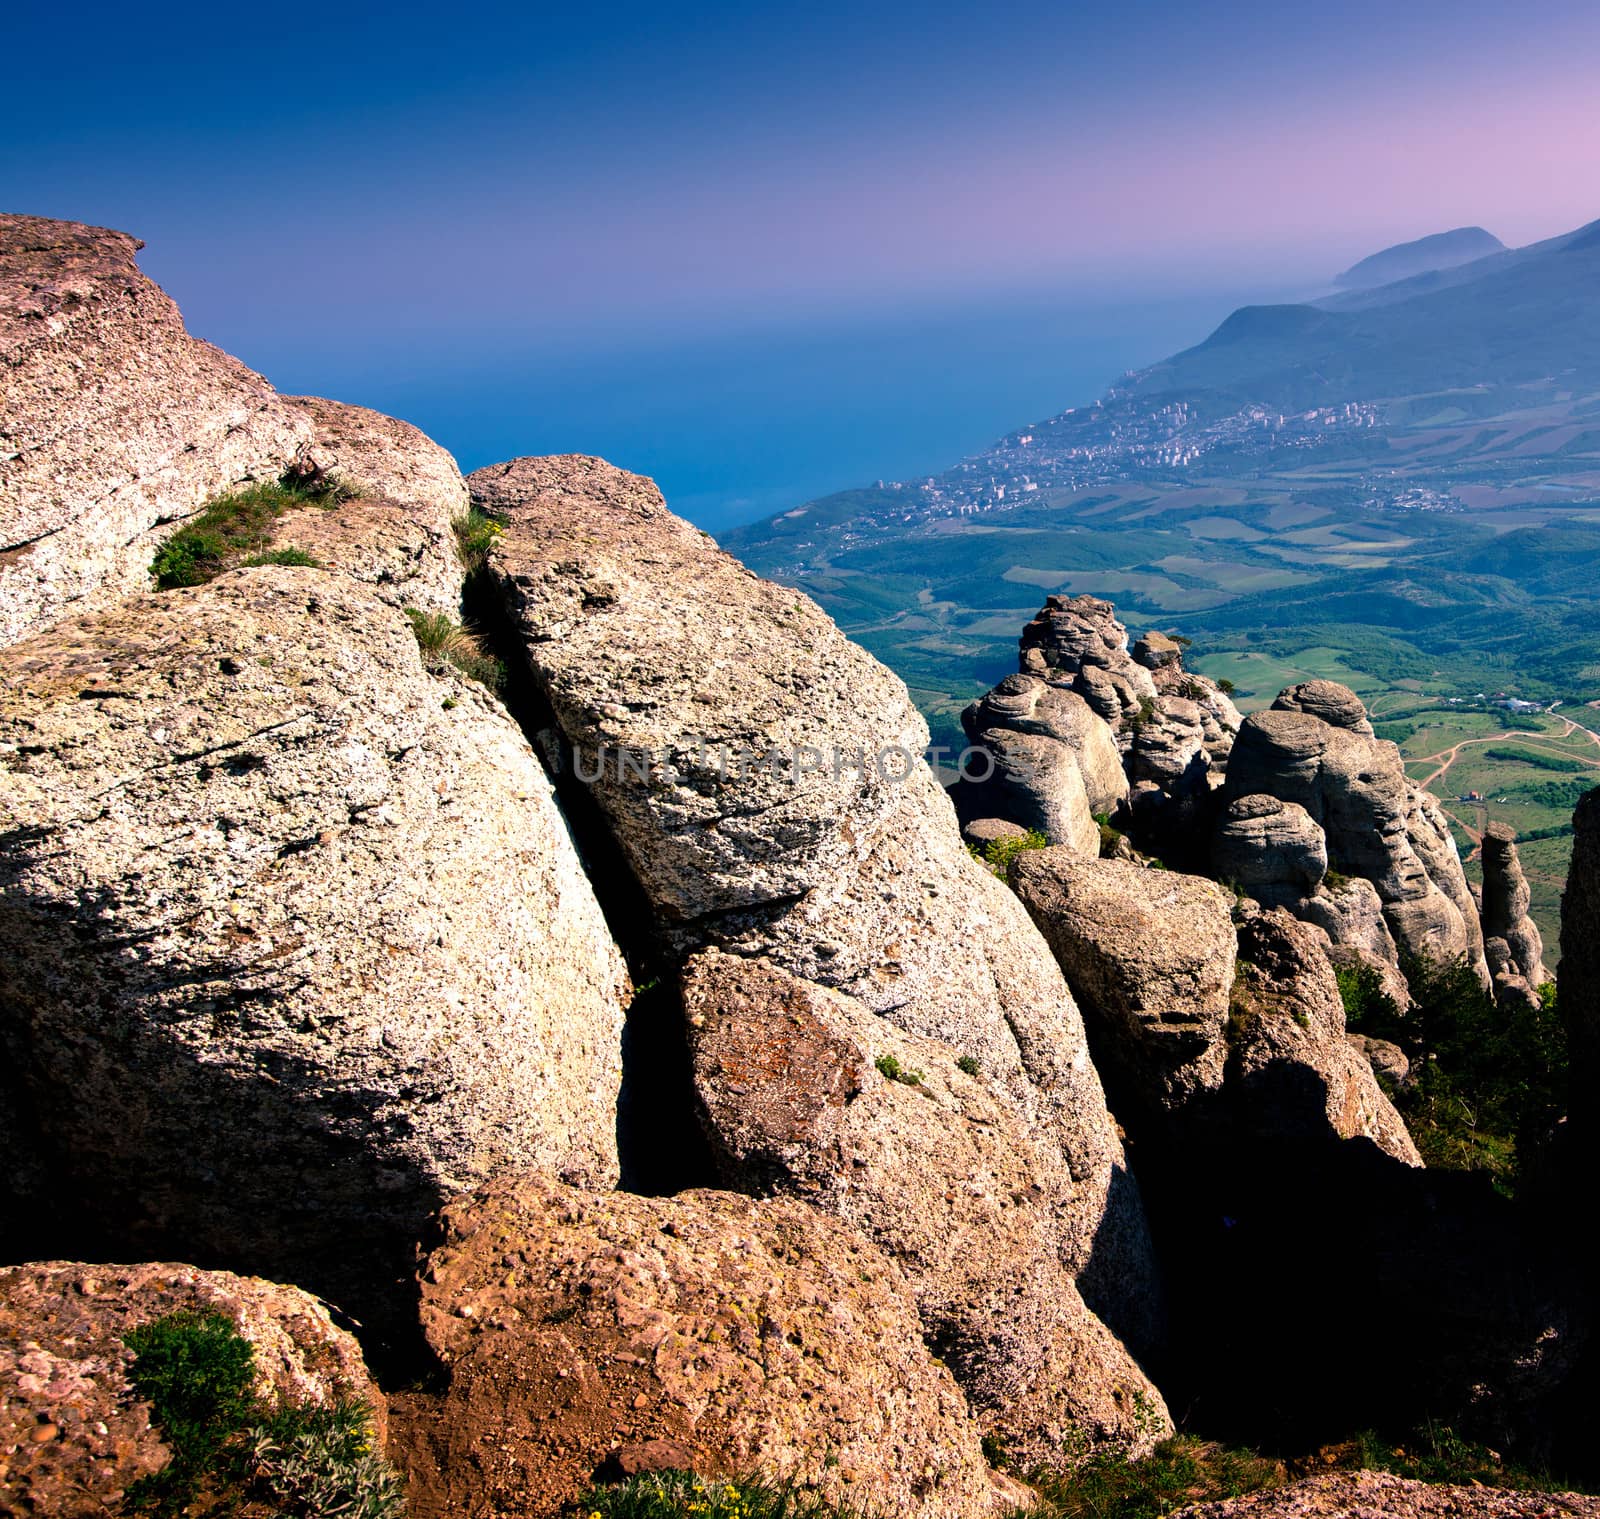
{"x": 1336, "y": 705}
{"x": 1029, "y": 704}
{"x": 1514, "y": 946}
{"x": 1077, "y": 642}
{"x": 581, "y": 1331}
{"x": 73, "y": 1437}
{"x": 396, "y": 537}
{"x": 804, "y": 1091}
{"x": 1149, "y": 954}
{"x": 1292, "y": 1071}
{"x": 647, "y": 639}
{"x": 113, "y": 421}
{"x": 1035, "y": 782}
{"x": 1271, "y": 849}
{"x": 1386, "y": 1058}
{"x": 1377, "y": 824}
{"x": 266, "y": 881}
{"x": 1377, "y": 1495}
{"x": 981, "y": 832}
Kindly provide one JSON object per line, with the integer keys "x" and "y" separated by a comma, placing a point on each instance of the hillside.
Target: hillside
{"x": 1442, "y": 250}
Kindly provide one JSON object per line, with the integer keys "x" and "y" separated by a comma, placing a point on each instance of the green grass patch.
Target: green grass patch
{"x": 476, "y": 534}
{"x": 891, "y": 1070}
{"x": 998, "y": 854}
{"x": 235, "y": 1453}
{"x": 237, "y": 528}
{"x": 444, "y": 642}
{"x": 679, "y": 1495}
{"x": 1179, "y": 1471}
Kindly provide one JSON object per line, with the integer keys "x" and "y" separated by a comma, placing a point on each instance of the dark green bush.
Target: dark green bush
{"x": 233, "y": 1453}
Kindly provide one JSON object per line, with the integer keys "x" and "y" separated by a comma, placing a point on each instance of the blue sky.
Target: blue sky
{"x": 793, "y": 239}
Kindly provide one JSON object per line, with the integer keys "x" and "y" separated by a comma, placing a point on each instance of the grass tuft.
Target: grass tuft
{"x": 444, "y": 642}
{"x": 476, "y": 534}
{"x": 239, "y": 528}
{"x": 680, "y": 1495}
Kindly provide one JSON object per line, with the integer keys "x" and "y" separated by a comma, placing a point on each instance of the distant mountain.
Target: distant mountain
{"x": 1444, "y": 250}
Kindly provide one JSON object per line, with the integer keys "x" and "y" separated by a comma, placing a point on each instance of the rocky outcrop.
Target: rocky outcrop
{"x": 267, "y": 881}
{"x": 1031, "y": 705}
{"x": 1512, "y": 943}
{"x": 805, "y": 1092}
{"x": 1149, "y": 954}
{"x": 762, "y": 778}
{"x": 1292, "y": 1072}
{"x": 396, "y": 537}
{"x": 1376, "y": 823}
{"x": 1034, "y": 782}
{"x": 1377, "y": 1495}
{"x": 1270, "y": 849}
{"x": 1210, "y": 1035}
{"x": 73, "y": 1435}
{"x": 1077, "y": 642}
{"x": 114, "y": 422}
{"x": 704, "y": 1331}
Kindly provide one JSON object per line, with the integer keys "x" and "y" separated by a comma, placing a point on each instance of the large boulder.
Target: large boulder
{"x": 1271, "y": 849}
{"x": 762, "y": 779}
{"x": 1029, "y": 704}
{"x": 1149, "y": 954}
{"x": 73, "y": 1435}
{"x": 1293, "y": 1073}
{"x": 1513, "y": 944}
{"x": 114, "y": 422}
{"x": 580, "y": 1334}
{"x": 1035, "y": 782}
{"x": 1327, "y": 700}
{"x": 268, "y": 882}
{"x": 803, "y": 1091}
{"x": 396, "y": 537}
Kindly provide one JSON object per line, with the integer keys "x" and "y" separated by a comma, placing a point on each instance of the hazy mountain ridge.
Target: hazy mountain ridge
{"x": 1441, "y": 250}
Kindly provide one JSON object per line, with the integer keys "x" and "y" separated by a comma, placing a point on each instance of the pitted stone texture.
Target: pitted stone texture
{"x": 649, "y": 642}
{"x": 1149, "y": 954}
{"x": 1515, "y": 947}
{"x": 1377, "y": 1495}
{"x": 1336, "y": 705}
{"x": 64, "y": 1372}
{"x": 114, "y": 422}
{"x": 1273, "y": 850}
{"x": 397, "y": 537}
{"x": 1036, "y": 783}
{"x": 1030, "y": 704}
{"x": 1077, "y": 642}
{"x": 267, "y": 881}
{"x": 643, "y": 635}
{"x": 1292, "y": 1072}
{"x": 1377, "y": 824}
{"x": 748, "y": 1335}
{"x": 805, "y": 1092}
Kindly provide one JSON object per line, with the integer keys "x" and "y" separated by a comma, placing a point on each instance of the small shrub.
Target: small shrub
{"x": 476, "y": 533}
{"x": 1335, "y": 880}
{"x": 1110, "y": 835}
{"x": 1435, "y": 1453}
{"x": 891, "y": 1069}
{"x": 233, "y": 1453}
{"x": 1226, "y": 686}
{"x": 970, "y": 1064}
{"x": 998, "y": 854}
{"x": 1142, "y": 715}
{"x": 445, "y": 642}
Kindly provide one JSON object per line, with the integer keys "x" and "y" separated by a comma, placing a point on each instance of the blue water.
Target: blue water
{"x": 739, "y": 425}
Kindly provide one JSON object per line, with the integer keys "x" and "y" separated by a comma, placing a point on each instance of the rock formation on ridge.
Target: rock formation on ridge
{"x": 1512, "y": 942}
